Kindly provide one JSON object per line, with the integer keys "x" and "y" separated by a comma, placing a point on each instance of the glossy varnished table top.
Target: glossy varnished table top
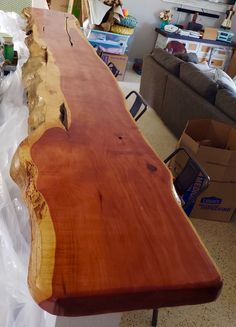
{"x": 112, "y": 237}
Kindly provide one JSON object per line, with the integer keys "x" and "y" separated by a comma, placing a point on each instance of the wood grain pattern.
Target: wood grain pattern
{"x": 107, "y": 233}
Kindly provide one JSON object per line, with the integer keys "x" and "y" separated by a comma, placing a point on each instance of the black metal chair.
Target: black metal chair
{"x": 191, "y": 174}
{"x": 99, "y": 51}
{"x": 115, "y": 71}
{"x": 137, "y": 105}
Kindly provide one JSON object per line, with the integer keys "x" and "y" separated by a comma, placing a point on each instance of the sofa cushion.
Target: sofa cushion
{"x": 181, "y": 104}
{"x": 226, "y": 102}
{"x": 198, "y": 81}
{"x": 188, "y": 57}
{"x": 167, "y": 60}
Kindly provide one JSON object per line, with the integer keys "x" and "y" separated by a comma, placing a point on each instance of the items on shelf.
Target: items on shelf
{"x": 128, "y": 21}
{"x": 125, "y": 26}
{"x": 193, "y": 25}
{"x": 195, "y": 30}
{"x": 125, "y": 12}
{"x": 215, "y": 53}
{"x": 190, "y": 33}
{"x": 227, "y": 22}
{"x": 225, "y": 36}
{"x": 119, "y": 29}
{"x": 165, "y": 17}
{"x": 210, "y": 33}
{"x": 109, "y": 42}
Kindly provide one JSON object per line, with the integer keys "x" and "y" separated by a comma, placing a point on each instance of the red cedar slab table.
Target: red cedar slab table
{"x": 107, "y": 233}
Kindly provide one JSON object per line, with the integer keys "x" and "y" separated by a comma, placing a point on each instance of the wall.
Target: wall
{"x": 147, "y": 13}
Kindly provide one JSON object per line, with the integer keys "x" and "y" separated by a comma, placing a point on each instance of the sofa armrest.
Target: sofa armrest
{"x": 153, "y": 83}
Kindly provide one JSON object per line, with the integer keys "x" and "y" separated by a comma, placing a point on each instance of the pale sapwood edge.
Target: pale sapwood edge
{"x": 47, "y": 109}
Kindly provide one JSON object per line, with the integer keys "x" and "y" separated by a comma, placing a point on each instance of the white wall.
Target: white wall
{"x": 234, "y": 26}
{"x": 147, "y": 13}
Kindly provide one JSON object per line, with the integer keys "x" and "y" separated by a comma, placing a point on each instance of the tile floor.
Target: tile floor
{"x": 219, "y": 238}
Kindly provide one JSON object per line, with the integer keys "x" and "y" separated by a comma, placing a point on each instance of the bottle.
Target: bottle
{"x": 9, "y": 51}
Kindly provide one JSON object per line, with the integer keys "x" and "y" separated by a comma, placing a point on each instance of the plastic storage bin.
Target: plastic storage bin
{"x": 109, "y": 42}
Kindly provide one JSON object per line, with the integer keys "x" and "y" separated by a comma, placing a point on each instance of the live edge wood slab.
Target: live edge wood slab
{"x": 107, "y": 233}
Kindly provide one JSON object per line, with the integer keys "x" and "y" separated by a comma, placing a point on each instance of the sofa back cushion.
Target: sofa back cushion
{"x": 167, "y": 60}
{"x": 187, "y": 57}
{"x": 226, "y": 102}
{"x": 181, "y": 104}
{"x": 198, "y": 82}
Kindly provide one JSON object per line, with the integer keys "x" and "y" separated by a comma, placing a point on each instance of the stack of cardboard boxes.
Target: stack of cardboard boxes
{"x": 213, "y": 144}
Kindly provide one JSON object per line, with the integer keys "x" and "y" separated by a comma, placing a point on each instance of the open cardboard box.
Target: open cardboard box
{"x": 213, "y": 144}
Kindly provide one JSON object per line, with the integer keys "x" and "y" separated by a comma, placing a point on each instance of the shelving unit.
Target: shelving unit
{"x": 202, "y": 4}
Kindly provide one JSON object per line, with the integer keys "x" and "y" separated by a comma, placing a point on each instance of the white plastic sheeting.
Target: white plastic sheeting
{"x": 17, "y": 308}
{"x": 40, "y": 4}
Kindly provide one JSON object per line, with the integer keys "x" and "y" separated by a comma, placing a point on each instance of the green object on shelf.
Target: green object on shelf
{"x": 9, "y": 51}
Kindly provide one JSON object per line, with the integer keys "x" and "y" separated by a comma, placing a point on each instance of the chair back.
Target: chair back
{"x": 99, "y": 51}
{"x": 186, "y": 177}
{"x": 192, "y": 175}
{"x": 139, "y": 105}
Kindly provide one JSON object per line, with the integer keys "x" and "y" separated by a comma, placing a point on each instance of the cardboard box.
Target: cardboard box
{"x": 216, "y": 203}
{"x": 120, "y": 61}
{"x": 213, "y": 144}
{"x": 210, "y": 33}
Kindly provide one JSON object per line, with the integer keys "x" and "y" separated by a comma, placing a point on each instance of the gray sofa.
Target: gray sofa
{"x": 179, "y": 92}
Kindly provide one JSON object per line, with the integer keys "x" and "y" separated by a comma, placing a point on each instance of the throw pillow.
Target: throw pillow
{"x": 206, "y": 69}
{"x": 224, "y": 80}
{"x": 234, "y": 79}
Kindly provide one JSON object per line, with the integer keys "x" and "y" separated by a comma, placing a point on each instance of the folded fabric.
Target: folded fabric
{"x": 97, "y": 11}
{"x": 128, "y": 21}
{"x": 122, "y": 30}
